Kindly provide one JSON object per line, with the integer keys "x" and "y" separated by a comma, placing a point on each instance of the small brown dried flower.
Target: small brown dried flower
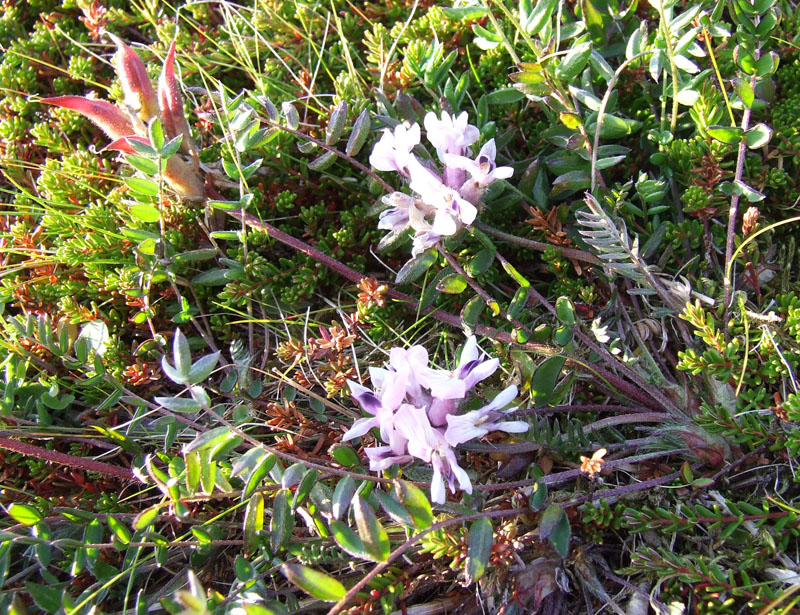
{"x": 750, "y": 221}
{"x": 595, "y": 464}
{"x": 371, "y": 292}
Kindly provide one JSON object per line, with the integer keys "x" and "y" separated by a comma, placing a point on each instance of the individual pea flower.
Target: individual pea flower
{"x": 470, "y": 369}
{"x": 429, "y": 445}
{"x": 393, "y": 151}
{"x": 451, "y": 212}
{"x": 405, "y": 212}
{"x": 483, "y": 171}
{"x": 478, "y": 423}
{"x": 451, "y": 135}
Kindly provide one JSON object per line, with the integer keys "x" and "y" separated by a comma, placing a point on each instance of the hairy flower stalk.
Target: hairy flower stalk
{"x": 141, "y": 105}
{"x": 444, "y": 201}
{"x": 414, "y": 409}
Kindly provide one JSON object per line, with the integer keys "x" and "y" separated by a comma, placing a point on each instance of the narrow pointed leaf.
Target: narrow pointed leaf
{"x": 479, "y": 548}
{"x": 415, "y": 502}
{"x": 317, "y": 584}
{"x": 376, "y": 541}
{"x": 109, "y": 118}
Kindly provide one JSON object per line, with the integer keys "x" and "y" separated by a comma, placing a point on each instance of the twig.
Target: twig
{"x": 82, "y": 463}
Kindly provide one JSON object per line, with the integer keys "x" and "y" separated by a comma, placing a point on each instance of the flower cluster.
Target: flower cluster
{"x": 442, "y": 204}
{"x": 414, "y": 408}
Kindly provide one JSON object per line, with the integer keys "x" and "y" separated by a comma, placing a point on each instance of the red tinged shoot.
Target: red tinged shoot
{"x": 142, "y": 104}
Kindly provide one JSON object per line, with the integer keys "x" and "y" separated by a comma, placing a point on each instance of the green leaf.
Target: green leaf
{"x": 179, "y": 404}
{"x": 145, "y": 165}
{"x": 452, "y": 284}
{"x": 120, "y": 531}
{"x": 25, "y": 514}
{"x": 322, "y": 162}
{"x": 560, "y": 536}
{"x": 614, "y": 127}
{"x": 570, "y": 182}
{"x": 481, "y": 262}
{"x": 730, "y": 135}
{"x": 225, "y": 205}
{"x": 574, "y": 62}
{"x": 504, "y": 96}
{"x": 394, "y": 508}
{"x": 549, "y": 520}
{"x": 758, "y": 136}
{"x": 156, "y": 133}
{"x": 336, "y": 123}
{"x": 342, "y": 496}
{"x": 348, "y": 540}
{"x": 359, "y": 134}
{"x": 202, "y": 368}
{"x": 538, "y": 496}
{"x": 744, "y": 91}
{"x": 317, "y": 584}
{"x": 214, "y": 277}
{"x": 565, "y": 311}
{"x": 344, "y": 455}
{"x": 751, "y": 194}
{"x": 253, "y": 522}
{"x": 414, "y": 268}
{"x": 282, "y": 524}
{"x": 304, "y": 488}
{"x": 479, "y": 548}
{"x": 545, "y": 379}
{"x": 195, "y": 256}
{"x": 146, "y": 518}
{"x": 518, "y": 302}
{"x": 415, "y": 502}
{"x": 536, "y": 19}
{"x": 146, "y": 187}
{"x": 172, "y": 147}
{"x": 471, "y": 312}
{"x": 46, "y": 598}
{"x": 376, "y": 541}
{"x": 518, "y": 278}
{"x": 210, "y": 439}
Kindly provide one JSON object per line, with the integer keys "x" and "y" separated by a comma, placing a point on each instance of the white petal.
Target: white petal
{"x": 359, "y": 428}
{"x": 489, "y": 150}
{"x": 468, "y": 212}
{"x": 443, "y": 224}
{"x": 437, "y": 485}
{"x": 502, "y": 172}
{"x": 462, "y": 428}
{"x": 511, "y": 426}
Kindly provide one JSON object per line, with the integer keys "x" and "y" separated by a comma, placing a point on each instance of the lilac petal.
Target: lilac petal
{"x": 479, "y": 371}
{"x": 438, "y": 495}
{"x": 511, "y": 426}
{"x": 444, "y": 224}
{"x": 382, "y": 457}
{"x": 502, "y": 399}
{"x": 462, "y": 428}
{"x": 359, "y": 428}
{"x": 365, "y": 398}
{"x": 440, "y": 410}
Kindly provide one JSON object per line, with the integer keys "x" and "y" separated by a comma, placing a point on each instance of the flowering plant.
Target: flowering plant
{"x": 414, "y": 408}
{"x": 442, "y": 203}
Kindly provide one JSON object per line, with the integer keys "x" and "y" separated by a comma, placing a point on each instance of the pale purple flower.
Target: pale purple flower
{"x": 423, "y": 241}
{"x": 405, "y": 212}
{"x": 448, "y": 385}
{"x": 450, "y": 135}
{"x": 451, "y": 211}
{"x": 429, "y": 445}
{"x": 478, "y": 423}
{"x": 483, "y": 171}
{"x": 382, "y": 415}
{"x": 393, "y": 151}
